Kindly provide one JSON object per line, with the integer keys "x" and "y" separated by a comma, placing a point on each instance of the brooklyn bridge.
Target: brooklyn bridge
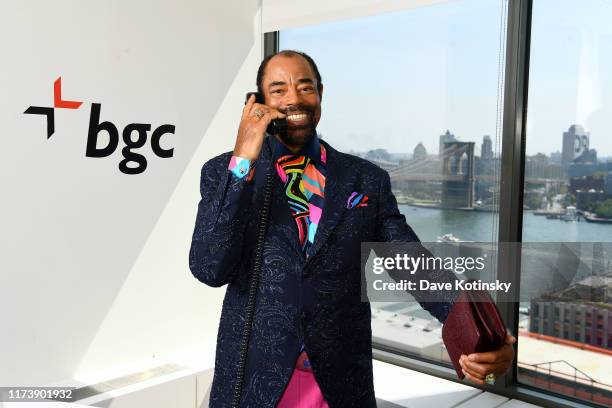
{"x": 455, "y": 178}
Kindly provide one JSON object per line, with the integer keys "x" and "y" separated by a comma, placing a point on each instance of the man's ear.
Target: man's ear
{"x": 321, "y": 92}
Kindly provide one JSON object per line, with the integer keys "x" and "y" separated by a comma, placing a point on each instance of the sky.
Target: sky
{"x": 396, "y": 79}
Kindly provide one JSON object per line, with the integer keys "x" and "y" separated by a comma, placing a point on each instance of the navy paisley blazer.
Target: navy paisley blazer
{"x": 315, "y": 300}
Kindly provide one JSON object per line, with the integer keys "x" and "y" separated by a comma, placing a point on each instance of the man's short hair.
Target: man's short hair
{"x": 287, "y": 53}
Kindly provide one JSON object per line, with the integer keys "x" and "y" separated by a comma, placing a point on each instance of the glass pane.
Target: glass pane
{"x": 565, "y": 342}
{"x": 418, "y": 93}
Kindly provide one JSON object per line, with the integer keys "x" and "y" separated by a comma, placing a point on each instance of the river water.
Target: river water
{"x": 545, "y": 267}
{"x": 482, "y": 226}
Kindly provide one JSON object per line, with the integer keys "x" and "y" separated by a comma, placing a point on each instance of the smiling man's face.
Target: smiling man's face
{"x": 290, "y": 86}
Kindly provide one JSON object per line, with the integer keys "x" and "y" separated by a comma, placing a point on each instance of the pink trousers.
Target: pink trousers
{"x": 302, "y": 391}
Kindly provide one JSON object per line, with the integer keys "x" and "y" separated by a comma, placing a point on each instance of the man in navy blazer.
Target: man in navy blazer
{"x": 311, "y": 299}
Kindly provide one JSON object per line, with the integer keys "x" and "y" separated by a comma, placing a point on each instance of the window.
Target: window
{"x": 418, "y": 93}
{"x": 568, "y": 194}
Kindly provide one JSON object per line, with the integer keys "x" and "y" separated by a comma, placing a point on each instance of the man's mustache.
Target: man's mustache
{"x": 297, "y": 108}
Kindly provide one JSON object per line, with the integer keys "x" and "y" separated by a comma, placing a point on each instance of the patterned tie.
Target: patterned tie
{"x": 304, "y": 187}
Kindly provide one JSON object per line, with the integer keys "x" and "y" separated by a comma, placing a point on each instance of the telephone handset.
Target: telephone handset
{"x": 276, "y": 126}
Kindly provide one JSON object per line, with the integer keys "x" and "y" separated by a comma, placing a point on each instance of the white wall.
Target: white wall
{"x": 93, "y": 262}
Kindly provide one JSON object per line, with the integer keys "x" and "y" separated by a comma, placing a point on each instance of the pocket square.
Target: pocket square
{"x": 357, "y": 200}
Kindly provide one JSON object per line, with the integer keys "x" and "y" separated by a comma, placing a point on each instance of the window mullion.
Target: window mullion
{"x": 513, "y": 159}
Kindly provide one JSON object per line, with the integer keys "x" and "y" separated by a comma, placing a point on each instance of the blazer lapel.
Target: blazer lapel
{"x": 339, "y": 182}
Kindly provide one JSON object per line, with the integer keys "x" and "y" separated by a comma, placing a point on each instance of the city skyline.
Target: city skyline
{"x": 493, "y": 153}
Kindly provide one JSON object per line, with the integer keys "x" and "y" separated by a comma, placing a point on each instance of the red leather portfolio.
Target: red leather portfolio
{"x": 473, "y": 325}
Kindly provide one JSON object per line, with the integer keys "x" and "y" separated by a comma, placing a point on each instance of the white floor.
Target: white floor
{"x": 407, "y": 388}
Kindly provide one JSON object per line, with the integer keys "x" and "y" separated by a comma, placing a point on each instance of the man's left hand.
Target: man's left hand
{"x": 477, "y": 365}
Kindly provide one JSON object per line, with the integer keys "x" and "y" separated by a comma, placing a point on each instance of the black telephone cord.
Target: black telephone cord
{"x": 253, "y": 287}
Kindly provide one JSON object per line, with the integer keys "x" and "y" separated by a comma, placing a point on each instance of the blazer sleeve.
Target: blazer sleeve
{"x": 218, "y": 237}
{"x": 392, "y": 227}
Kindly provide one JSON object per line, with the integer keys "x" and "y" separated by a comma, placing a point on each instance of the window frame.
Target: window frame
{"x": 512, "y": 174}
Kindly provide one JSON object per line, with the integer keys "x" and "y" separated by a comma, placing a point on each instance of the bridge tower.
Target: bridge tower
{"x": 458, "y": 172}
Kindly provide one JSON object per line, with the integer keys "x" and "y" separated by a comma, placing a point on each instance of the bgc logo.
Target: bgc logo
{"x": 95, "y": 127}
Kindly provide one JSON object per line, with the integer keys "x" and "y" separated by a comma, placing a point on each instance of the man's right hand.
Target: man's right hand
{"x": 253, "y": 128}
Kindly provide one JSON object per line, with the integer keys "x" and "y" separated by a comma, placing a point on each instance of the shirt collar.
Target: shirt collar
{"x": 312, "y": 149}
